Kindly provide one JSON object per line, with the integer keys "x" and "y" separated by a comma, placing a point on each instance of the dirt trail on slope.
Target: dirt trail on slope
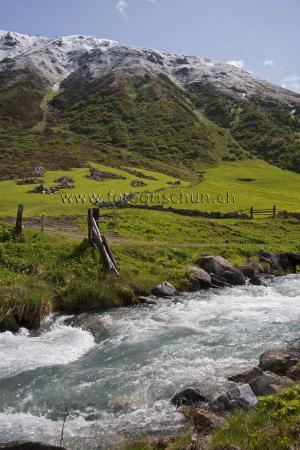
{"x": 66, "y": 226}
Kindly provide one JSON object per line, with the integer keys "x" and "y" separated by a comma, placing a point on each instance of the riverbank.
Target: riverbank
{"x": 261, "y": 412}
{"x": 272, "y": 425}
{"x": 41, "y": 273}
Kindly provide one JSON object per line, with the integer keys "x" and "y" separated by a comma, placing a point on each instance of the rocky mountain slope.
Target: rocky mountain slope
{"x": 70, "y": 99}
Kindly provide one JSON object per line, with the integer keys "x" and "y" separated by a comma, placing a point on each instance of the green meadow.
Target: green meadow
{"x": 223, "y": 188}
{"x": 12, "y": 194}
{"x": 270, "y": 186}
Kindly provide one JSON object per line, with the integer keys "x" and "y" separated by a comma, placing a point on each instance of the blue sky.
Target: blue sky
{"x": 260, "y": 35}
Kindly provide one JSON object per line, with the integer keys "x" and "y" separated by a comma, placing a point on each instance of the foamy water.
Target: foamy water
{"x": 121, "y": 387}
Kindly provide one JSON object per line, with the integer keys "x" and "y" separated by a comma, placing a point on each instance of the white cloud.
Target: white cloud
{"x": 268, "y": 63}
{"x": 239, "y": 63}
{"x": 292, "y": 83}
{"x": 122, "y": 6}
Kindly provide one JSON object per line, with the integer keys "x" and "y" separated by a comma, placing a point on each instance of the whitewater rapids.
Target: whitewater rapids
{"x": 121, "y": 387}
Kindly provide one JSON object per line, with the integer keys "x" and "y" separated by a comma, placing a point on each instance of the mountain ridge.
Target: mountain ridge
{"x": 162, "y": 106}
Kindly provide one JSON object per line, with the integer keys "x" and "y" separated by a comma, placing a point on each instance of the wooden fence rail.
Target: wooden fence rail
{"x": 265, "y": 212}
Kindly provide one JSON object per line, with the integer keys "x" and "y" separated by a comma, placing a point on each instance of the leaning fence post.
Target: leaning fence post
{"x": 274, "y": 212}
{"x": 251, "y": 212}
{"x": 19, "y": 221}
{"x": 93, "y": 213}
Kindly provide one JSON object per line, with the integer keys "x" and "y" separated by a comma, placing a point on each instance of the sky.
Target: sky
{"x": 261, "y": 36}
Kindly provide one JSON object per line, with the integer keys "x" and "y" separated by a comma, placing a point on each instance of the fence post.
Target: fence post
{"x": 42, "y": 223}
{"x": 93, "y": 213}
{"x": 274, "y": 212}
{"x": 251, "y": 212}
{"x": 19, "y": 221}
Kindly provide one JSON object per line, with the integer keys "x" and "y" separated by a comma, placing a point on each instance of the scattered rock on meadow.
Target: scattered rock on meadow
{"x": 38, "y": 171}
{"x": 100, "y": 175}
{"x": 138, "y": 183}
{"x": 164, "y": 289}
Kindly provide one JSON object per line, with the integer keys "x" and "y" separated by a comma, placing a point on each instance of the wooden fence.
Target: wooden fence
{"x": 264, "y": 212}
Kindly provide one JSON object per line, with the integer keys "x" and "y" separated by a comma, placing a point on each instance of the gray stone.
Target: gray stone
{"x": 198, "y": 278}
{"x": 294, "y": 373}
{"x": 245, "y": 377}
{"x": 268, "y": 383}
{"x": 248, "y": 271}
{"x": 234, "y": 277}
{"x": 278, "y": 362}
{"x": 164, "y": 289}
{"x": 241, "y": 397}
{"x": 256, "y": 281}
{"x": 147, "y": 300}
{"x": 222, "y": 268}
{"x": 270, "y": 258}
{"x": 98, "y": 325}
{"x": 188, "y": 397}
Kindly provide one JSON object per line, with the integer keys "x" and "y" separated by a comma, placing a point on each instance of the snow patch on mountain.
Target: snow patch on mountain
{"x": 57, "y": 58}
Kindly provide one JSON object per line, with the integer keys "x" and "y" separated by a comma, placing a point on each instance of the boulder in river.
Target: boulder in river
{"x": 222, "y": 268}
{"x": 270, "y": 258}
{"x": 256, "y": 281}
{"x": 147, "y": 300}
{"x": 248, "y": 271}
{"x": 242, "y": 397}
{"x": 98, "y": 325}
{"x": 164, "y": 289}
{"x": 218, "y": 282}
{"x": 198, "y": 279}
{"x": 245, "y": 377}
{"x": 269, "y": 383}
{"x": 278, "y": 362}
{"x": 234, "y": 277}
{"x": 188, "y": 397}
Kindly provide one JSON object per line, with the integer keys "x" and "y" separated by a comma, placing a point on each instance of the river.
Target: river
{"x": 120, "y": 387}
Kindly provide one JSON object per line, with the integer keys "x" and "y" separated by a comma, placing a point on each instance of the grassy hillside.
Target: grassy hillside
{"x": 264, "y": 127}
{"x": 269, "y": 186}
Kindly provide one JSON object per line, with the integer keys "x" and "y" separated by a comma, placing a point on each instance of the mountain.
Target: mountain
{"x": 67, "y": 100}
